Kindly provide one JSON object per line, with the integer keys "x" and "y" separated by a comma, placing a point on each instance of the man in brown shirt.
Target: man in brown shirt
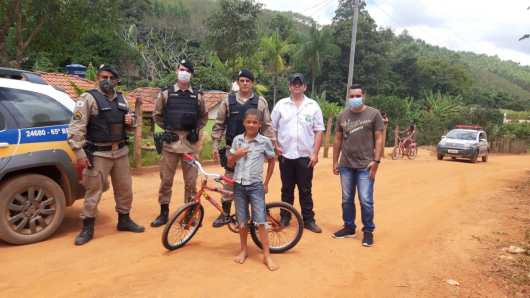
{"x": 358, "y": 140}
{"x": 181, "y": 111}
{"x": 230, "y": 118}
{"x": 103, "y": 115}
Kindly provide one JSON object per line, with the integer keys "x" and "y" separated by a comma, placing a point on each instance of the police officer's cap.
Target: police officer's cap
{"x": 109, "y": 68}
{"x": 297, "y": 76}
{"x": 187, "y": 64}
{"x": 245, "y": 73}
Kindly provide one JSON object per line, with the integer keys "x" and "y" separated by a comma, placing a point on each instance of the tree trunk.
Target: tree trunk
{"x": 21, "y": 45}
{"x": 275, "y": 85}
{"x": 3, "y": 34}
{"x": 233, "y": 71}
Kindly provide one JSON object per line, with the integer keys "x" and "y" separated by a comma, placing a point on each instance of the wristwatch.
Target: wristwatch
{"x": 377, "y": 161}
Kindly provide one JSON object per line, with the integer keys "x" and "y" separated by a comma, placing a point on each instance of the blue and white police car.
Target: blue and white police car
{"x": 38, "y": 173}
{"x": 468, "y": 142}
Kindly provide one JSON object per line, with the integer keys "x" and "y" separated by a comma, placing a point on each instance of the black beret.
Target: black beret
{"x": 297, "y": 76}
{"x": 245, "y": 73}
{"x": 109, "y": 68}
{"x": 187, "y": 64}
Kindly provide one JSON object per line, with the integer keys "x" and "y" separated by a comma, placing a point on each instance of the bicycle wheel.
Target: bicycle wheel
{"x": 395, "y": 153}
{"x": 280, "y": 239}
{"x": 176, "y": 233}
{"x": 412, "y": 152}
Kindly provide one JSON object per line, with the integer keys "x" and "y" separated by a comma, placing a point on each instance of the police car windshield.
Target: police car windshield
{"x": 462, "y": 135}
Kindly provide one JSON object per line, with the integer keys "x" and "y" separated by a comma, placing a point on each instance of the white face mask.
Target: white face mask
{"x": 184, "y": 76}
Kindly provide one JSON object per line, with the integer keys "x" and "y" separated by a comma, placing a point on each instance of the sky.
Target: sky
{"x": 481, "y": 26}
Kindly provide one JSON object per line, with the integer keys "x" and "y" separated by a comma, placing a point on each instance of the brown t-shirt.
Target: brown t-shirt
{"x": 358, "y": 143}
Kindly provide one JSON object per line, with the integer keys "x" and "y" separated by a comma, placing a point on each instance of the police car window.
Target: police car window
{"x": 32, "y": 109}
{"x": 2, "y": 122}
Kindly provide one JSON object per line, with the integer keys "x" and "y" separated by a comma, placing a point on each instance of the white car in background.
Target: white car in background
{"x": 469, "y": 142}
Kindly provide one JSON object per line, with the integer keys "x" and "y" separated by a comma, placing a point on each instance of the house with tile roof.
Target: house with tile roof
{"x": 64, "y": 81}
{"x": 213, "y": 102}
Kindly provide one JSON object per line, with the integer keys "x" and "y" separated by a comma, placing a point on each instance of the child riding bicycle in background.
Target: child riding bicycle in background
{"x": 411, "y": 133}
{"x": 249, "y": 152}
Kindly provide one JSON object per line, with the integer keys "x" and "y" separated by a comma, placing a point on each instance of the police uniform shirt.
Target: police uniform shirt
{"x": 85, "y": 107}
{"x": 182, "y": 145}
{"x": 222, "y": 116}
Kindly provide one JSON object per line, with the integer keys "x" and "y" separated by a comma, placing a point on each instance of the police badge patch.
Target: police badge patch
{"x": 77, "y": 116}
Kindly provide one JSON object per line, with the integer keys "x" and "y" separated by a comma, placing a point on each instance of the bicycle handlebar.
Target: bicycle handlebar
{"x": 193, "y": 162}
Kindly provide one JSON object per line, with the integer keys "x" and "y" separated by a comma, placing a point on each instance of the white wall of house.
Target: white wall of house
{"x": 212, "y": 114}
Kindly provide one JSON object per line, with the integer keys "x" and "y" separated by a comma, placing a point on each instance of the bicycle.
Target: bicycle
{"x": 411, "y": 151}
{"x": 284, "y": 222}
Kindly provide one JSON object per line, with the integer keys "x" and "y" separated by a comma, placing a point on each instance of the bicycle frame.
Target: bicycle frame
{"x": 402, "y": 146}
{"x": 204, "y": 186}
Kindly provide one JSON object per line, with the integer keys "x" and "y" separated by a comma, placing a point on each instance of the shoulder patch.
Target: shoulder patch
{"x": 77, "y": 116}
{"x": 80, "y": 103}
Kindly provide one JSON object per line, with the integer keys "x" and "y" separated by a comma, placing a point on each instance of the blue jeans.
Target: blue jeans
{"x": 350, "y": 179}
{"x": 254, "y": 195}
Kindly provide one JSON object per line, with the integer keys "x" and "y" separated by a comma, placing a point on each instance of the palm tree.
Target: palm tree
{"x": 312, "y": 49}
{"x": 272, "y": 49}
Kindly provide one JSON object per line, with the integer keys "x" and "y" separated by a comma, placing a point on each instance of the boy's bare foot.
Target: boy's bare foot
{"x": 270, "y": 263}
{"x": 241, "y": 257}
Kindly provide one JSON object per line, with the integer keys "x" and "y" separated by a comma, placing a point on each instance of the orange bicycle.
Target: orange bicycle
{"x": 284, "y": 222}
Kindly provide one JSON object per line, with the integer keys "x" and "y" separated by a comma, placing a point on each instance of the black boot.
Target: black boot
{"x": 163, "y": 217}
{"x": 223, "y": 220}
{"x": 87, "y": 233}
{"x": 125, "y": 223}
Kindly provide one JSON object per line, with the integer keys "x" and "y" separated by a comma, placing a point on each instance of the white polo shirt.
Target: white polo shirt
{"x": 296, "y": 127}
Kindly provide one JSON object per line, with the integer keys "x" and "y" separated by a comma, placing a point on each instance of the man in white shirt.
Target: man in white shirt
{"x": 300, "y": 129}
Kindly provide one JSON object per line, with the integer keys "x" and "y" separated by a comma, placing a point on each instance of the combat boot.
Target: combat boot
{"x": 125, "y": 223}
{"x": 223, "y": 220}
{"x": 163, "y": 217}
{"x": 87, "y": 233}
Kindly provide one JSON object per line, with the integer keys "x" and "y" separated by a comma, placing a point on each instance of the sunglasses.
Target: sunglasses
{"x": 299, "y": 84}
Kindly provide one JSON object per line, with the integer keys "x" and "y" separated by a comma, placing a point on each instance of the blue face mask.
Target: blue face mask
{"x": 356, "y": 102}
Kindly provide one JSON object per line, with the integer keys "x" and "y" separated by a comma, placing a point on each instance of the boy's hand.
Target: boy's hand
{"x": 241, "y": 152}
{"x": 266, "y": 188}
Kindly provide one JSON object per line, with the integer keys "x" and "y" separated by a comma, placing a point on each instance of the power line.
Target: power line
{"x": 314, "y": 6}
{"x": 393, "y": 19}
{"x": 441, "y": 44}
{"x": 447, "y": 26}
{"x": 322, "y": 8}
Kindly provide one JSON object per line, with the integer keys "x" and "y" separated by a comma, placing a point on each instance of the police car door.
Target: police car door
{"x": 9, "y": 137}
{"x": 42, "y": 121}
{"x": 482, "y": 143}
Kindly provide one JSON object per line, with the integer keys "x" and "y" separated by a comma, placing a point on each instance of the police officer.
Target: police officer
{"x": 103, "y": 115}
{"x": 230, "y": 117}
{"x": 181, "y": 111}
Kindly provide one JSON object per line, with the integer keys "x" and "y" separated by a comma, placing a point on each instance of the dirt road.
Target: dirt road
{"x": 425, "y": 212}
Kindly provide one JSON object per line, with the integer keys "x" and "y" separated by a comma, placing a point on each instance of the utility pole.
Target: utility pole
{"x": 352, "y": 52}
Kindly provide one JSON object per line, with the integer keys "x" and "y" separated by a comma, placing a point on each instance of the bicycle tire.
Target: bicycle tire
{"x": 395, "y": 153}
{"x": 176, "y": 224}
{"x": 412, "y": 153}
{"x": 293, "y": 230}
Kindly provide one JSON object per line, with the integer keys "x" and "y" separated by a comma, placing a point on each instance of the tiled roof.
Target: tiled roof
{"x": 63, "y": 81}
{"x": 148, "y": 96}
{"x": 213, "y": 99}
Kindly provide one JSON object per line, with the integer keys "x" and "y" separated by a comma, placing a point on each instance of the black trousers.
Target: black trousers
{"x": 294, "y": 172}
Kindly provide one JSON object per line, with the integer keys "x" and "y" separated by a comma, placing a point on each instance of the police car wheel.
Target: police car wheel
{"x": 485, "y": 157}
{"x": 474, "y": 158}
{"x": 31, "y": 208}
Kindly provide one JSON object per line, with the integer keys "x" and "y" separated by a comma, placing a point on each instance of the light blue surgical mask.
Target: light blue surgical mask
{"x": 356, "y": 102}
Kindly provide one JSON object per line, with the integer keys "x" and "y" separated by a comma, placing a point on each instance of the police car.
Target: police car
{"x": 38, "y": 173}
{"x": 468, "y": 142}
